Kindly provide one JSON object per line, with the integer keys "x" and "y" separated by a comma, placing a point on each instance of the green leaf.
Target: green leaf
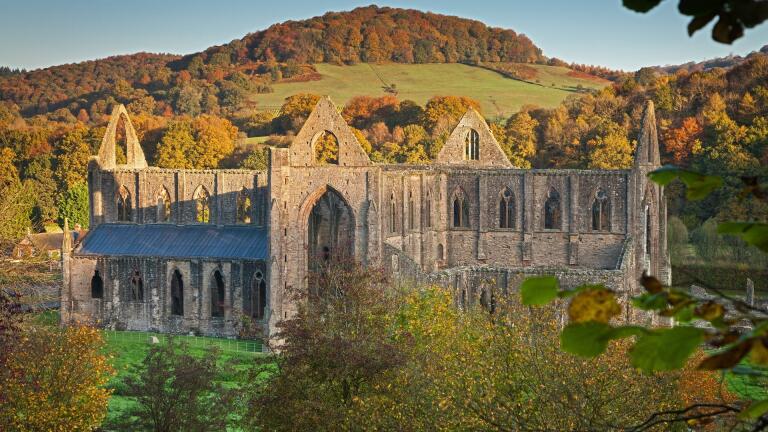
{"x": 685, "y": 314}
{"x": 647, "y": 301}
{"x": 698, "y": 185}
{"x": 641, "y": 5}
{"x": 665, "y": 349}
{"x": 539, "y": 290}
{"x": 755, "y": 234}
{"x": 590, "y": 339}
{"x": 756, "y": 409}
{"x": 587, "y": 339}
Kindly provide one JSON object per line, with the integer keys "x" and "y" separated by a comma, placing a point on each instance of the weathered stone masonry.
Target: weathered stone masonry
{"x": 212, "y": 246}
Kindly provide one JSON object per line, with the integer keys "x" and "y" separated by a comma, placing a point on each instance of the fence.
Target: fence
{"x": 225, "y": 345}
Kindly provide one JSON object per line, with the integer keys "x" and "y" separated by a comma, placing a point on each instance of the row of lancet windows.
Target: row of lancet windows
{"x": 553, "y": 214}
{"x": 202, "y": 201}
{"x": 254, "y": 299}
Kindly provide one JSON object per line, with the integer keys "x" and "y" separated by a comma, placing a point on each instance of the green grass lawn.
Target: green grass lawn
{"x": 128, "y": 349}
{"x": 498, "y": 95}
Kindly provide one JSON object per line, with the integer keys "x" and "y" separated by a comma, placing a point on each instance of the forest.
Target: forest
{"x": 711, "y": 120}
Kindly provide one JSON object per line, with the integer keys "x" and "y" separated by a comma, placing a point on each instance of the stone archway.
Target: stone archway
{"x": 330, "y": 231}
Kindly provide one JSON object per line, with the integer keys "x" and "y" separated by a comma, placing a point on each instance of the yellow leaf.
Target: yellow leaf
{"x": 598, "y": 304}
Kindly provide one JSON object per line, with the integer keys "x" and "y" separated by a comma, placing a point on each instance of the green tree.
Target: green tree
{"x": 332, "y": 349}
{"x": 176, "y": 390}
{"x": 73, "y": 205}
{"x": 72, "y": 154}
{"x": 17, "y": 202}
{"x": 8, "y": 173}
{"x": 258, "y": 160}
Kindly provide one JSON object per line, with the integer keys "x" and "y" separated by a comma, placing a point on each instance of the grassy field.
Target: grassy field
{"x": 498, "y": 95}
{"x": 128, "y": 349}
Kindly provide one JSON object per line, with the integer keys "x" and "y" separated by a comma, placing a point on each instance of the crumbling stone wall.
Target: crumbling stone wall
{"x": 118, "y": 310}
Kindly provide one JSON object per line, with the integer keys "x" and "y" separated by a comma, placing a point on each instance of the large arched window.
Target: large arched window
{"x": 257, "y": 301}
{"x": 472, "y": 145}
{"x": 553, "y": 211}
{"x": 460, "y": 211}
{"x": 244, "y": 207}
{"x": 507, "y": 209}
{"x": 392, "y": 213}
{"x": 97, "y": 286}
{"x": 124, "y": 205}
{"x": 137, "y": 286}
{"x": 217, "y": 294}
{"x": 202, "y": 205}
{"x": 601, "y": 212}
{"x": 177, "y": 294}
{"x": 326, "y": 148}
{"x": 163, "y": 205}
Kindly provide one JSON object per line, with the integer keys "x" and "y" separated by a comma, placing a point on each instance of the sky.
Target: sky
{"x": 41, "y": 33}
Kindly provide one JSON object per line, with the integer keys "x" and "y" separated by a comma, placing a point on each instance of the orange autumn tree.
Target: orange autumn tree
{"x": 54, "y": 381}
{"x": 684, "y": 141}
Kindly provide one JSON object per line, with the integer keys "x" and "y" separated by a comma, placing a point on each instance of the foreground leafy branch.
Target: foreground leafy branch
{"x": 731, "y": 330}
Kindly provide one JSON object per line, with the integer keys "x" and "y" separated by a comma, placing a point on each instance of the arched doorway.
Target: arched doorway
{"x": 330, "y": 231}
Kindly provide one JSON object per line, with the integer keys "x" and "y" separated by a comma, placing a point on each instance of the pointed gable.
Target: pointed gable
{"x": 647, "y": 151}
{"x": 326, "y": 118}
{"x": 472, "y": 143}
{"x": 133, "y": 152}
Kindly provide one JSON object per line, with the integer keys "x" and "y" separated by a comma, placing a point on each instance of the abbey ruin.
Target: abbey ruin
{"x": 177, "y": 250}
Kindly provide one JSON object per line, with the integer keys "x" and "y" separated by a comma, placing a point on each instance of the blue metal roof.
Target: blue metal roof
{"x": 176, "y": 241}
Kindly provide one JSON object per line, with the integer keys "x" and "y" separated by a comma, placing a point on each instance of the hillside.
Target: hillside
{"x": 377, "y": 34}
{"x": 498, "y": 95}
{"x": 222, "y": 78}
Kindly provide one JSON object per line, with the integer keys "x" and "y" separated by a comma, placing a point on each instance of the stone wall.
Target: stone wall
{"x": 145, "y": 186}
{"x": 118, "y": 309}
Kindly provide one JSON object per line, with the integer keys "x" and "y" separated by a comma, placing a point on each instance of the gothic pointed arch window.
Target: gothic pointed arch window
{"x": 601, "y": 212}
{"x": 244, "y": 207}
{"x": 202, "y": 205}
{"x": 472, "y": 145}
{"x": 507, "y": 209}
{"x": 217, "y": 294}
{"x": 97, "y": 286}
{"x": 460, "y": 211}
{"x": 326, "y": 148}
{"x": 553, "y": 216}
{"x": 428, "y": 211}
{"x": 257, "y": 297}
{"x": 124, "y": 204}
{"x": 488, "y": 300}
{"x": 411, "y": 210}
{"x": 137, "y": 286}
{"x": 163, "y": 205}
{"x": 392, "y": 213}
{"x": 177, "y": 293}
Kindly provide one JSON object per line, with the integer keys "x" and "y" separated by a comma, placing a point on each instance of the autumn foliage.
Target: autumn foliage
{"x": 54, "y": 380}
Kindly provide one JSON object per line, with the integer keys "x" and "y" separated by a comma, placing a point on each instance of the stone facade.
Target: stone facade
{"x": 469, "y": 218}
